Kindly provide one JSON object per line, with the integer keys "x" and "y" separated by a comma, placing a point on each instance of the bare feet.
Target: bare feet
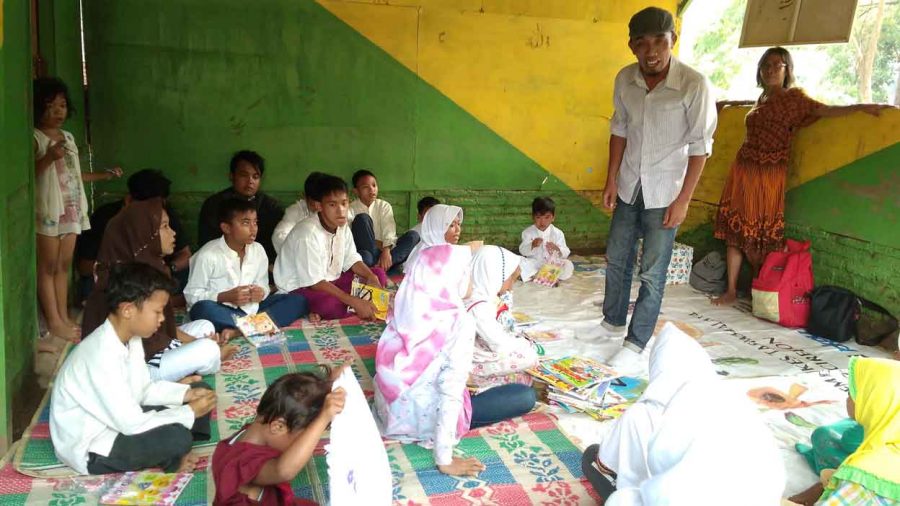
{"x": 187, "y": 380}
{"x": 314, "y": 318}
{"x": 726, "y": 299}
{"x": 228, "y": 351}
{"x": 69, "y": 332}
{"x": 188, "y": 463}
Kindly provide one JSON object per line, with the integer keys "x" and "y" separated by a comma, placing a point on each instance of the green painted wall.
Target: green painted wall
{"x": 18, "y": 319}
{"x": 852, "y": 217}
{"x": 178, "y": 86}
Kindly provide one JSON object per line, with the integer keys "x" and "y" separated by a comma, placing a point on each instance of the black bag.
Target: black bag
{"x": 836, "y": 313}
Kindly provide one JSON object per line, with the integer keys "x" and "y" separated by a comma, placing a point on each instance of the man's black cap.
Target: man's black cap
{"x": 650, "y": 21}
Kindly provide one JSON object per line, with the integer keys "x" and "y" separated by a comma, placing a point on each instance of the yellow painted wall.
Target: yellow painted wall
{"x": 537, "y": 72}
{"x": 823, "y": 147}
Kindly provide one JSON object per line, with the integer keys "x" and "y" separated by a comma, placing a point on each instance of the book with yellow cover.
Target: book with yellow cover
{"x": 380, "y": 297}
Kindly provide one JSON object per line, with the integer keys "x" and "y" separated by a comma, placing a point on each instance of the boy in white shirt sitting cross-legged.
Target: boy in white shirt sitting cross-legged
{"x": 543, "y": 242}
{"x": 319, "y": 260}
{"x": 230, "y": 275}
{"x": 106, "y": 414}
{"x": 374, "y": 229}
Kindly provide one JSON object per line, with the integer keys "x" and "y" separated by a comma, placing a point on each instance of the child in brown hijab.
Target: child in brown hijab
{"x": 141, "y": 233}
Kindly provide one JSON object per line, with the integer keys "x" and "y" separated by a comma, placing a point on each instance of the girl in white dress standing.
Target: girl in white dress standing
{"x": 60, "y": 202}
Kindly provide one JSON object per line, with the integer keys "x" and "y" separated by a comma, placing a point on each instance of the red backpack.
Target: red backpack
{"x": 781, "y": 291}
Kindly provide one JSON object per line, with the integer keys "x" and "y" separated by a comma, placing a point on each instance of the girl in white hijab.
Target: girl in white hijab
{"x": 441, "y": 225}
{"x": 500, "y": 357}
{"x": 688, "y": 441}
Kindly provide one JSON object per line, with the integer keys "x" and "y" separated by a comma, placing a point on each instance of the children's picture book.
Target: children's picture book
{"x": 258, "y": 329}
{"x": 548, "y": 274}
{"x": 147, "y": 488}
{"x": 542, "y": 336}
{"x": 380, "y": 297}
{"x": 581, "y": 372}
{"x": 523, "y": 320}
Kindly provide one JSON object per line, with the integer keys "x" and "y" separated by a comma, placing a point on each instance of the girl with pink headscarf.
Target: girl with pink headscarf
{"x": 424, "y": 358}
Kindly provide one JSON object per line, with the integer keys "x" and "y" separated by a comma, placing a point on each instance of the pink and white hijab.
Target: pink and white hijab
{"x": 427, "y": 305}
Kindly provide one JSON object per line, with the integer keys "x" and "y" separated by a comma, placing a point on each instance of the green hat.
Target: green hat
{"x": 650, "y": 21}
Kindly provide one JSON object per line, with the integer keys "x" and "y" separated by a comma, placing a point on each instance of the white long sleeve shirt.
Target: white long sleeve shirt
{"x": 382, "y": 220}
{"x": 98, "y": 395}
{"x": 217, "y": 268}
{"x": 550, "y": 235}
{"x": 662, "y": 128}
{"x": 294, "y": 214}
{"x": 311, "y": 254}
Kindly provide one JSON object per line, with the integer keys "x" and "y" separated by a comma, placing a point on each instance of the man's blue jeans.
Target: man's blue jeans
{"x": 629, "y": 223}
{"x": 283, "y": 308}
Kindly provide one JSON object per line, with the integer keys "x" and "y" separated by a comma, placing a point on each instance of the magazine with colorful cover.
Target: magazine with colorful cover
{"x": 379, "y": 297}
{"x": 147, "y": 488}
{"x": 548, "y": 274}
{"x": 542, "y": 336}
{"x": 580, "y": 372}
{"x": 258, "y": 329}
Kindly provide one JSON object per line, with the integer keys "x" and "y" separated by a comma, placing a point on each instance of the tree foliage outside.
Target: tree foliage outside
{"x": 835, "y": 73}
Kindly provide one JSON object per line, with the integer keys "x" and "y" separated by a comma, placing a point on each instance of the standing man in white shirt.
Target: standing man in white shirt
{"x": 662, "y": 129}
{"x": 230, "y": 275}
{"x": 374, "y": 229}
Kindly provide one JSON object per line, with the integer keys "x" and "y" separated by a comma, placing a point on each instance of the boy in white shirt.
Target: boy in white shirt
{"x": 543, "y": 242}
{"x": 374, "y": 229}
{"x": 106, "y": 415}
{"x": 319, "y": 260}
{"x": 296, "y": 212}
{"x": 230, "y": 275}
{"x": 424, "y": 204}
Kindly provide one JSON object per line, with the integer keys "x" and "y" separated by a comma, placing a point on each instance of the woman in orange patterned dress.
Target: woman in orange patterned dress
{"x": 751, "y": 210}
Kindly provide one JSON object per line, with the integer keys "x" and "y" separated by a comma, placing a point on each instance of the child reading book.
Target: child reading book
{"x": 423, "y": 360}
{"x": 500, "y": 355}
{"x": 257, "y": 464}
{"x": 319, "y": 260}
{"x": 543, "y": 243}
{"x": 668, "y": 448}
{"x": 106, "y": 414}
{"x": 230, "y": 275}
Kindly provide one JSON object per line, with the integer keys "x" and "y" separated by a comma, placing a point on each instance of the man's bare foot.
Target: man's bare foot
{"x": 897, "y": 355}
{"x": 228, "y": 334}
{"x": 228, "y": 351}
{"x": 726, "y": 299}
{"x": 188, "y": 463}
{"x": 314, "y": 318}
{"x": 187, "y": 380}
{"x": 809, "y": 496}
{"x": 67, "y": 332}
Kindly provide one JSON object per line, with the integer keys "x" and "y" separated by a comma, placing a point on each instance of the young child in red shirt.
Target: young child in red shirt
{"x": 258, "y": 463}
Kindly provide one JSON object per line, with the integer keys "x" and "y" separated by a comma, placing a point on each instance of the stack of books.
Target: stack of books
{"x": 577, "y": 383}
